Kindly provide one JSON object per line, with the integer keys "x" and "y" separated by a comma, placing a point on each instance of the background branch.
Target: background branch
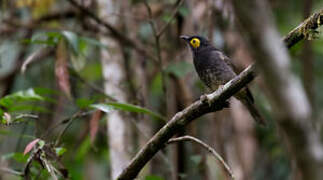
{"x": 208, "y": 148}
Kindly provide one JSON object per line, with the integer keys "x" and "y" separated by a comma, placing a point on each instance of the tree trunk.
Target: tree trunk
{"x": 290, "y": 105}
{"x": 119, "y": 130}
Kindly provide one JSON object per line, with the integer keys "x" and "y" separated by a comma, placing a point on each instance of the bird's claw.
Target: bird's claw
{"x": 205, "y": 99}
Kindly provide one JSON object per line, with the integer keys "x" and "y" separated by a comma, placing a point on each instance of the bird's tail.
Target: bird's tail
{"x": 253, "y": 111}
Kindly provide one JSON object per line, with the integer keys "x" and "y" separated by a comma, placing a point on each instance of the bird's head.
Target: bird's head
{"x": 196, "y": 43}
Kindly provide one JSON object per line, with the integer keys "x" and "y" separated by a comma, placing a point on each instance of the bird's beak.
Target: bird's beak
{"x": 184, "y": 37}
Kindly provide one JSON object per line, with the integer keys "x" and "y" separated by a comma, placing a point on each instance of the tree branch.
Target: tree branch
{"x": 224, "y": 165}
{"x": 195, "y": 110}
{"x": 11, "y": 171}
{"x": 305, "y": 29}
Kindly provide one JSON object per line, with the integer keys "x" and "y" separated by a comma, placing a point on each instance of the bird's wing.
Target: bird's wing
{"x": 228, "y": 61}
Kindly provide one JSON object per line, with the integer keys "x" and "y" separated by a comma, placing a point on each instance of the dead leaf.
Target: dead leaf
{"x": 30, "y": 146}
{"x": 94, "y": 124}
{"x": 61, "y": 69}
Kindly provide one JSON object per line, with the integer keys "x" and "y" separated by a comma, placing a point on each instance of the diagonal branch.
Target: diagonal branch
{"x": 181, "y": 119}
{"x": 224, "y": 165}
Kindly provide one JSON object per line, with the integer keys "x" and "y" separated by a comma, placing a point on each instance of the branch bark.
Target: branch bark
{"x": 305, "y": 29}
{"x": 197, "y": 109}
{"x": 291, "y": 107}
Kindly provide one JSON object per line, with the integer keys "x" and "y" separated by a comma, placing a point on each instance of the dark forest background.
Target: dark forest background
{"x": 84, "y": 84}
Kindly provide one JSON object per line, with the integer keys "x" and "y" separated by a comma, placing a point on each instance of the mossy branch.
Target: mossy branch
{"x": 307, "y": 29}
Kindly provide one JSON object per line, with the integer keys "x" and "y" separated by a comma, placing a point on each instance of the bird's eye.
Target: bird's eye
{"x": 195, "y": 43}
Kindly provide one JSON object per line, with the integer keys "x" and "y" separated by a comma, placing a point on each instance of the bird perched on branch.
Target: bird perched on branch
{"x": 215, "y": 69}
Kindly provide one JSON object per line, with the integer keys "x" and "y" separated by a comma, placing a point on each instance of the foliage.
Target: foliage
{"x": 53, "y": 116}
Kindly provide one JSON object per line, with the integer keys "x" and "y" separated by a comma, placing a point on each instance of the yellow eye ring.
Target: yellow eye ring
{"x": 195, "y": 43}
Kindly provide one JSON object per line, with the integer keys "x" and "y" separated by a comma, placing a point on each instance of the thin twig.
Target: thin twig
{"x": 208, "y": 148}
{"x": 157, "y": 47}
{"x": 66, "y": 120}
{"x": 66, "y": 127}
{"x": 11, "y": 171}
{"x": 163, "y": 28}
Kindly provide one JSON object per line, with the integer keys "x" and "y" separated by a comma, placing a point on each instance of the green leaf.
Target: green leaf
{"x": 84, "y": 148}
{"x": 25, "y": 95}
{"x": 19, "y": 157}
{"x": 179, "y": 69}
{"x": 127, "y": 107}
{"x": 103, "y": 107}
{"x": 28, "y": 107}
{"x": 41, "y": 143}
{"x": 84, "y": 103}
{"x": 48, "y": 38}
{"x": 60, "y": 151}
{"x": 72, "y": 39}
{"x": 153, "y": 177}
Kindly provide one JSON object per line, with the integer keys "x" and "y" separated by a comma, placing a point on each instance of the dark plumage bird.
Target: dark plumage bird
{"x": 215, "y": 68}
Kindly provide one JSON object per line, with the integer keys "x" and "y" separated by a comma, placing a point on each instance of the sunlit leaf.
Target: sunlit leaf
{"x": 60, "y": 151}
{"x": 103, "y": 107}
{"x": 72, "y": 39}
{"x": 78, "y": 61}
{"x": 106, "y": 107}
{"x": 41, "y": 143}
{"x": 26, "y": 95}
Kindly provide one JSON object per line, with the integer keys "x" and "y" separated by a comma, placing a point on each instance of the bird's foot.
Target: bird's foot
{"x": 220, "y": 87}
{"x": 204, "y": 99}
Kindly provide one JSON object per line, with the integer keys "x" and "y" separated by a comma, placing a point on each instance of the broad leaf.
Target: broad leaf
{"x": 60, "y": 151}
{"x": 20, "y": 96}
{"x": 106, "y": 107}
{"x": 19, "y": 157}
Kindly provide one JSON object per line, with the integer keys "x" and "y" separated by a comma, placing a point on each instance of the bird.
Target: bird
{"x": 215, "y": 69}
